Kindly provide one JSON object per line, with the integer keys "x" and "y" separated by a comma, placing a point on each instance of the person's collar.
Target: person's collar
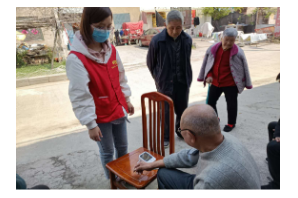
{"x": 226, "y": 49}
{"x": 171, "y": 38}
{"x": 217, "y": 147}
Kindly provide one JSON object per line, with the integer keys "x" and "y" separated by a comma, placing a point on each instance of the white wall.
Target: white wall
{"x": 149, "y": 21}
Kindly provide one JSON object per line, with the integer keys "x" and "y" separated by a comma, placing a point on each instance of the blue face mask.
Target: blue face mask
{"x": 100, "y": 35}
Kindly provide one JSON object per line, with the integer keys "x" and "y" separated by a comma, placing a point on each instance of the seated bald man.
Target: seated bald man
{"x": 222, "y": 161}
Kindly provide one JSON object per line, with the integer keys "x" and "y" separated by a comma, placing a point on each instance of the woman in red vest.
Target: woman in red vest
{"x": 98, "y": 87}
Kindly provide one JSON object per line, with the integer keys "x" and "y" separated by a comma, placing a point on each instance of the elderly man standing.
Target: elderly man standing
{"x": 168, "y": 60}
{"x": 225, "y": 66}
{"x": 222, "y": 161}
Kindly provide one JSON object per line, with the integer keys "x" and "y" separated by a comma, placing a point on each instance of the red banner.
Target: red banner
{"x": 193, "y": 15}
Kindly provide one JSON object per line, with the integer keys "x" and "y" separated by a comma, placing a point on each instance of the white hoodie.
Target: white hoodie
{"x": 79, "y": 93}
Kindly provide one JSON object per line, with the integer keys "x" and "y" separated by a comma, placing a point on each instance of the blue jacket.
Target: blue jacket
{"x": 160, "y": 59}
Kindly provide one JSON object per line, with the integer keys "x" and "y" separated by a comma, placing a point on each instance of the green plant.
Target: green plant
{"x": 40, "y": 70}
{"x": 50, "y": 54}
{"x": 219, "y": 12}
{"x": 20, "y": 58}
{"x": 239, "y": 19}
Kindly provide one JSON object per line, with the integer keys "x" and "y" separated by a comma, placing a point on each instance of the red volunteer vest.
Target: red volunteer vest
{"x": 105, "y": 87}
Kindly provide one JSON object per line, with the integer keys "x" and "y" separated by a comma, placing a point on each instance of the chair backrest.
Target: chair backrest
{"x": 156, "y": 138}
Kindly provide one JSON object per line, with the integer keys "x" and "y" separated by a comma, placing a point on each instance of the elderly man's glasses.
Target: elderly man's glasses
{"x": 180, "y": 130}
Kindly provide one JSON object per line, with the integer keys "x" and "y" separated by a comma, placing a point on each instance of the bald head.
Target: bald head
{"x": 201, "y": 119}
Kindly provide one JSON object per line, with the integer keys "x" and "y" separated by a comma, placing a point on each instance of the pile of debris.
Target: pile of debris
{"x": 35, "y": 54}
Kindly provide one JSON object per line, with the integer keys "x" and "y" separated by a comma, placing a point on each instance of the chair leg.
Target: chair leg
{"x": 112, "y": 180}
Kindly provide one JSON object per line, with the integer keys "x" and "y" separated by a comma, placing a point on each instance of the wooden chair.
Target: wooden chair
{"x": 123, "y": 166}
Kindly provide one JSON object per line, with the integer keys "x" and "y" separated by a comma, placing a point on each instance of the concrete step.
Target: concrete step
{"x": 40, "y": 79}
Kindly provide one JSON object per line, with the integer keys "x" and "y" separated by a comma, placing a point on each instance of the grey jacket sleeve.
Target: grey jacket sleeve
{"x": 248, "y": 83}
{"x": 186, "y": 158}
{"x": 201, "y": 77}
{"x": 79, "y": 93}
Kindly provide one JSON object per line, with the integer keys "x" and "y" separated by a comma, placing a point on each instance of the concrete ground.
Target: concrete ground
{"x": 52, "y": 147}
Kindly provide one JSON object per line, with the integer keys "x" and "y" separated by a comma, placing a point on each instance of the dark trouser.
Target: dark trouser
{"x": 273, "y": 153}
{"x": 40, "y": 187}
{"x": 180, "y": 99}
{"x": 174, "y": 179}
{"x": 231, "y": 94}
{"x": 271, "y": 126}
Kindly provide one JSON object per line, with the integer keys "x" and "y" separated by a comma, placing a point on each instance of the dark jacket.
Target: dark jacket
{"x": 20, "y": 184}
{"x": 277, "y": 129}
{"x": 160, "y": 59}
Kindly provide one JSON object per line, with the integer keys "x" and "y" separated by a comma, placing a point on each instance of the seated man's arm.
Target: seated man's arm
{"x": 141, "y": 166}
{"x": 185, "y": 158}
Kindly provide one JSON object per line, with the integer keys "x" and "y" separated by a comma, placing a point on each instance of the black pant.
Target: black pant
{"x": 174, "y": 179}
{"x": 271, "y": 126}
{"x": 231, "y": 94}
{"x": 40, "y": 187}
{"x": 273, "y": 153}
{"x": 180, "y": 99}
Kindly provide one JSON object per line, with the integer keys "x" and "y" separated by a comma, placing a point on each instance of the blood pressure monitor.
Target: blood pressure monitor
{"x": 146, "y": 157}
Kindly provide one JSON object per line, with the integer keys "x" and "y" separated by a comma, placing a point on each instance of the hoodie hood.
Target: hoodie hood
{"x": 78, "y": 45}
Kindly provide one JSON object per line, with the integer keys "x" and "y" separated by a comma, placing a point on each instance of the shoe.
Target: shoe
{"x": 228, "y": 128}
{"x": 179, "y": 135}
{"x": 166, "y": 144}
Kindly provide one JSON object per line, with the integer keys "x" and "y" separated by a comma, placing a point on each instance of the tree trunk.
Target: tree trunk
{"x": 60, "y": 34}
{"x": 54, "y": 49}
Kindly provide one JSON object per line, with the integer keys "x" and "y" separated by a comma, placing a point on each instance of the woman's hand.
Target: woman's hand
{"x": 131, "y": 109}
{"x": 95, "y": 134}
{"x": 209, "y": 80}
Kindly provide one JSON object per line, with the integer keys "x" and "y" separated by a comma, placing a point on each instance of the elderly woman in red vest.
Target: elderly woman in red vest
{"x": 98, "y": 87}
{"x": 225, "y": 67}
